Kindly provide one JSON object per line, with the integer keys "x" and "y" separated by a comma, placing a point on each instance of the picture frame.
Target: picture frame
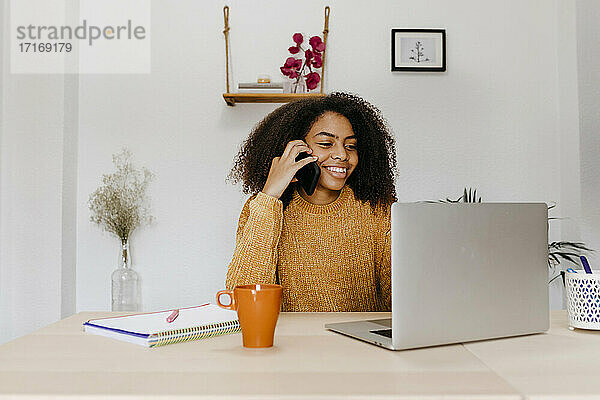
{"x": 419, "y": 50}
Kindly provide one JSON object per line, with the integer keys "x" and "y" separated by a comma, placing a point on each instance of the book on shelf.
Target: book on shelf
{"x": 153, "y": 329}
{"x": 265, "y": 90}
{"x": 254, "y": 85}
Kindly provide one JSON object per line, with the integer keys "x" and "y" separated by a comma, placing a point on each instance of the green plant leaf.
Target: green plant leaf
{"x": 553, "y": 279}
{"x": 570, "y": 245}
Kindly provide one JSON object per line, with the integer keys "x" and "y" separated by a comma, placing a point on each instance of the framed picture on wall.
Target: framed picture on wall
{"x": 422, "y": 50}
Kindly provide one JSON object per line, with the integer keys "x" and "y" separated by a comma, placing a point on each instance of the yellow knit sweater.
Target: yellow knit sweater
{"x": 333, "y": 257}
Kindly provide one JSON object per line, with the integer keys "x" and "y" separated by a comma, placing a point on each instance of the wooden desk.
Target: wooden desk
{"x": 306, "y": 362}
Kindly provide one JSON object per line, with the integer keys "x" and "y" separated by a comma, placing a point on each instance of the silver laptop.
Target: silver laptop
{"x": 463, "y": 272}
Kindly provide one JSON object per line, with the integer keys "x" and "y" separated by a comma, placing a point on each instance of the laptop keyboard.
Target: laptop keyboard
{"x": 383, "y": 332}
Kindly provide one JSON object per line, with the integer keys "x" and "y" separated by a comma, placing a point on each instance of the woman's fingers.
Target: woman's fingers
{"x": 299, "y": 149}
{"x": 283, "y": 169}
{"x": 299, "y": 164}
{"x": 289, "y": 147}
{"x": 295, "y": 147}
{"x": 303, "y": 162}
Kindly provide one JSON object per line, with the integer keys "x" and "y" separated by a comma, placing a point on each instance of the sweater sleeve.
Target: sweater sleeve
{"x": 259, "y": 228}
{"x": 383, "y": 263}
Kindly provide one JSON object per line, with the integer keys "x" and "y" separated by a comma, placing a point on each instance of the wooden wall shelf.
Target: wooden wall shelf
{"x": 232, "y": 98}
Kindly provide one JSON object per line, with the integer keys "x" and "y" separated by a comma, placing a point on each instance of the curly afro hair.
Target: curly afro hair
{"x": 373, "y": 179}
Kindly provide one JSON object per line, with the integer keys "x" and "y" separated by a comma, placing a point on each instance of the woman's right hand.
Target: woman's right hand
{"x": 284, "y": 168}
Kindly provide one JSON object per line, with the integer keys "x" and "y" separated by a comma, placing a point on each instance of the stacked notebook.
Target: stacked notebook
{"x": 152, "y": 329}
{"x": 271, "y": 87}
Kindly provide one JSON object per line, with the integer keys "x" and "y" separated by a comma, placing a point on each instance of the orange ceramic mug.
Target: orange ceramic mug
{"x": 258, "y": 309}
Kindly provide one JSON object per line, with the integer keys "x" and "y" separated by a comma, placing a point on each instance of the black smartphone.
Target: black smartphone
{"x": 309, "y": 175}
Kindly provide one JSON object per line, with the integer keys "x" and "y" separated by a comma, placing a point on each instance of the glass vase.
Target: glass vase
{"x": 126, "y": 289}
{"x": 295, "y": 86}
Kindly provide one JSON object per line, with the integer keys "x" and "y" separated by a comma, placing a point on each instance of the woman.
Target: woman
{"x": 331, "y": 250}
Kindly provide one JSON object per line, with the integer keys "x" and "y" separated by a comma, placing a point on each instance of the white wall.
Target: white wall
{"x": 30, "y": 197}
{"x": 69, "y": 178}
{"x": 37, "y": 178}
{"x": 588, "y": 56}
{"x": 4, "y": 303}
{"x": 567, "y": 113}
{"x": 491, "y": 121}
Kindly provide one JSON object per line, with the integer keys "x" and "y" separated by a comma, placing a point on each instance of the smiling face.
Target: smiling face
{"x": 332, "y": 140}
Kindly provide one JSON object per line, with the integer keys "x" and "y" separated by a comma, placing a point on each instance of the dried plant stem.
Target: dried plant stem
{"x": 121, "y": 204}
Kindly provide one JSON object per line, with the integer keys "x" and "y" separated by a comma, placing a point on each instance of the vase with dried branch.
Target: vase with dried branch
{"x": 119, "y": 206}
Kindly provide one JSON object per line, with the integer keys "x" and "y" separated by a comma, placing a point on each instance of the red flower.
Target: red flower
{"x": 313, "y": 58}
{"x": 317, "y": 61}
{"x": 293, "y": 62}
{"x": 298, "y": 38}
{"x": 286, "y": 71}
{"x": 317, "y": 44}
{"x": 291, "y": 67}
{"x": 312, "y": 80}
{"x": 309, "y": 55}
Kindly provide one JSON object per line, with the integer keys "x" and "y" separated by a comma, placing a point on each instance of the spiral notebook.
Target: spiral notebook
{"x": 153, "y": 330}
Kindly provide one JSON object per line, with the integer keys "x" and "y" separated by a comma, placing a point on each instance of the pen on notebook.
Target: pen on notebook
{"x": 586, "y": 265}
{"x": 571, "y": 270}
{"x": 173, "y": 316}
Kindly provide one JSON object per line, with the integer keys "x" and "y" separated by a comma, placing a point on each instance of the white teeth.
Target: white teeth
{"x": 336, "y": 169}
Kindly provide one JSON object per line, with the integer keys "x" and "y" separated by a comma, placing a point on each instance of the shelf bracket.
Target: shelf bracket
{"x": 325, "y": 32}
{"x": 226, "y": 33}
